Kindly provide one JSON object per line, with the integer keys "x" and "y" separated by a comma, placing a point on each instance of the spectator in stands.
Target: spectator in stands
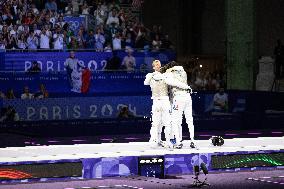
{"x": 69, "y": 9}
{"x": 29, "y": 19}
{"x": 22, "y": 41}
{"x": 85, "y": 9}
{"x": 114, "y": 62}
{"x": 12, "y": 42}
{"x": 129, "y": 61}
{"x": 81, "y": 39}
{"x": 128, "y": 41}
{"x": 58, "y": 38}
{"x": 26, "y": 94}
{"x": 34, "y": 9}
{"x": 60, "y": 22}
{"x": 141, "y": 41}
{"x": 75, "y": 6}
{"x": 113, "y": 19}
{"x": 220, "y": 101}
{"x": 125, "y": 113}
{"x": 100, "y": 14}
{"x": 73, "y": 43}
{"x": 42, "y": 93}
{"x": 2, "y": 95}
{"x": 154, "y": 32}
{"x": 51, "y": 5}
{"x": 166, "y": 43}
{"x": 35, "y": 68}
{"x": 116, "y": 42}
{"x": 199, "y": 81}
{"x": 108, "y": 48}
{"x": 10, "y": 94}
{"x": 210, "y": 84}
{"x": 99, "y": 40}
{"x": 8, "y": 114}
{"x": 279, "y": 59}
{"x": 90, "y": 40}
{"x": 36, "y": 30}
{"x": 3, "y": 43}
{"x": 44, "y": 39}
{"x": 156, "y": 43}
{"x": 32, "y": 41}
{"x": 219, "y": 81}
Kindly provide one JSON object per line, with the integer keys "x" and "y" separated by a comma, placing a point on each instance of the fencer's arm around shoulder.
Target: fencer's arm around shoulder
{"x": 148, "y": 78}
{"x": 170, "y": 80}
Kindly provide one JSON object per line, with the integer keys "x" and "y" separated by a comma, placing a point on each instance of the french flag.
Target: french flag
{"x": 81, "y": 79}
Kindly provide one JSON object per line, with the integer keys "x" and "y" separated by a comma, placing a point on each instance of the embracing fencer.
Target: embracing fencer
{"x": 171, "y": 97}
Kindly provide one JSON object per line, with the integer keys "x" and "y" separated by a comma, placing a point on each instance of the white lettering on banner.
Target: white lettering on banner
{"x": 93, "y": 62}
{"x": 43, "y": 113}
{"x": 58, "y": 66}
{"x": 93, "y": 110}
{"x": 56, "y": 112}
{"x": 103, "y": 64}
{"x": 28, "y": 65}
{"x": 133, "y": 110}
{"x": 107, "y": 110}
{"x": 81, "y": 62}
{"x": 49, "y": 66}
{"x": 30, "y": 113}
{"x": 77, "y": 113}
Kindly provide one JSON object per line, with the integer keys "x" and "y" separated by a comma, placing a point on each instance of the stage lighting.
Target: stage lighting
{"x": 217, "y": 140}
{"x": 151, "y": 166}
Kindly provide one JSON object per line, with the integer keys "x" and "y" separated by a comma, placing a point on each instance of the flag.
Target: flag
{"x": 86, "y": 78}
{"x": 81, "y": 80}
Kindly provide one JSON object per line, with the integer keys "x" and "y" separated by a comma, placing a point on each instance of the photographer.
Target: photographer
{"x": 8, "y": 114}
{"x": 125, "y": 113}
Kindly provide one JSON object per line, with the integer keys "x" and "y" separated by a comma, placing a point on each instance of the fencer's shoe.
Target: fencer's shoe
{"x": 178, "y": 146}
{"x": 192, "y": 144}
{"x": 160, "y": 143}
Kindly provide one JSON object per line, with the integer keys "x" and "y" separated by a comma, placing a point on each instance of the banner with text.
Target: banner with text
{"x": 54, "y": 61}
{"x": 79, "y": 107}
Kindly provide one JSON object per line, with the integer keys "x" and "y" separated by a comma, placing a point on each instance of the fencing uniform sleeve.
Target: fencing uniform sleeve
{"x": 148, "y": 78}
{"x": 170, "y": 80}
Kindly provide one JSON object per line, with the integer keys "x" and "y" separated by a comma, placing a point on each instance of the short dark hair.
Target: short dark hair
{"x": 168, "y": 66}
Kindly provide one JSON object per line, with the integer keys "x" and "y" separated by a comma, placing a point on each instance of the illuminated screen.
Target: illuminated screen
{"x": 48, "y": 170}
{"x": 151, "y": 166}
{"x": 247, "y": 160}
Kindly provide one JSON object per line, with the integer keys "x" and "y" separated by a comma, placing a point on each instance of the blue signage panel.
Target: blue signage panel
{"x": 54, "y": 61}
{"x": 79, "y": 107}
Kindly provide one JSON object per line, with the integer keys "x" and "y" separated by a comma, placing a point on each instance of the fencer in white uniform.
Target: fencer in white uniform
{"x": 180, "y": 93}
{"x": 161, "y": 106}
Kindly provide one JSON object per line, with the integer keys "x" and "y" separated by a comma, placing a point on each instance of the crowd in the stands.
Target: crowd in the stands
{"x": 31, "y": 24}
